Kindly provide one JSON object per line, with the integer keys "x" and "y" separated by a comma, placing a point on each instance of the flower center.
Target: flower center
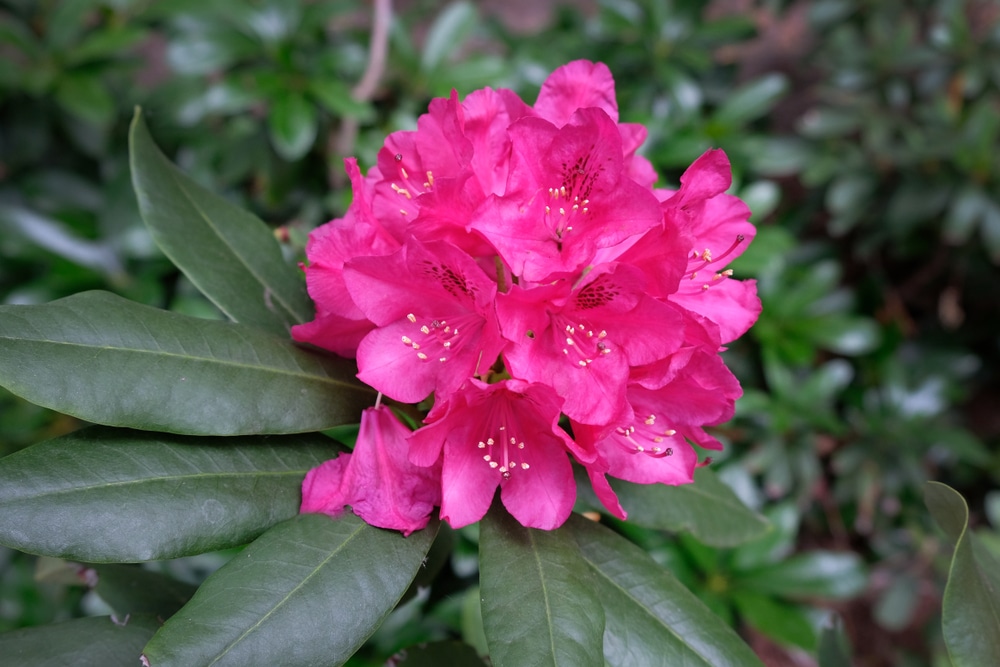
{"x": 561, "y": 211}
{"x": 645, "y": 436}
{"x": 434, "y": 338}
{"x": 411, "y": 187}
{"x": 502, "y": 452}
{"x": 583, "y": 345}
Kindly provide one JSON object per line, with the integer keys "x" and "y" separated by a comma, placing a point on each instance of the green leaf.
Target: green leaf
{"x": 107, "y": 43}
{"x": 85, "y": 96}
{"x": 65, "y": 21}
{"x": 707, "y": 508}
{"x": 58, "y": 238}
{"x": 538, "y": 598}
{"x": 971, "y": 607}
{"x": 448, "y": 32}
{"x": 773, "y": 545}
{"x": 752, "y": 100}
{"x": 851, "y": 336}
{"x": 97, "y": 641}
{"x": 293, "y": 125}
{"x": 228, "y": 253}
{"x": 336, "y": 98}
{"x": 110, "y": 361}
{"x": 832, "y": 575}
{"x": 104, "y": 495}
{"x": 785, "y": 623}
{"x": 309, "y": 591}
{"x": 131, "y": 590}
{"x": 651, "y": 618}
{"x": 833, "y": 650}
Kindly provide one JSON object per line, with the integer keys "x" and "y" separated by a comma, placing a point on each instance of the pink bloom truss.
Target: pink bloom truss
{"x": 515, "y": 263}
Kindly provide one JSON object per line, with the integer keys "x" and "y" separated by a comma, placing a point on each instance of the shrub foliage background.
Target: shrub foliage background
{"x": 863, "y": 135}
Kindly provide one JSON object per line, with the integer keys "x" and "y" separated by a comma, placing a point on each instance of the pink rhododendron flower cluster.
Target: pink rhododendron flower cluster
{"x": 516, "y": 263}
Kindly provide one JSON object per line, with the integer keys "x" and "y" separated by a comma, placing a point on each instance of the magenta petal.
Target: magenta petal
{"x": 376, "y": 480}
{"x": 577, "y": 85}
{"x": 640, "y": 468}
{"x": 732, "y": 304}
{"x": 543, "y": 495}
{"x": 468, "y": 486}
{"x": 327, "y": 487}
{"x": 606, "y": 494}
{"x": 566, "y": 197}
{"x": 707, "y": 177}
{"x": 340, "y": 335}
{"x": 485, "y": 121}
{"x": 504, "y": 434}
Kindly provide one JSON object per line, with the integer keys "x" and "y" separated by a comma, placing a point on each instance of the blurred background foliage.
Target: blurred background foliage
{"x": 862, "y": 133}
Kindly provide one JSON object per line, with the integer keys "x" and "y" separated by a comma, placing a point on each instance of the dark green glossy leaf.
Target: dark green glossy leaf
{"x": 132, "y": 590}
{"x": 436, "y": 654}
{"x": 309, "y": 591}
{"x": 228, "y": 253}
{"x": 293, "y": 125}
{"x": 651, "y": 618}
{"x": 971, "y": 607}
{"x": 97, "y": 641}
{"x": 103, "y": 494}
{"x": 538, "y": 598}
{"x": 707, "y": 508}
{"x": 110, "y": 361}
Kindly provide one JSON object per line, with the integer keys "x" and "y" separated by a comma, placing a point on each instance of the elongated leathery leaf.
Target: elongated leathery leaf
{"x": 131, "y": 589}
{"x": 707, "y": 508}
{"x": 106, "y": 495}
{"x": 309, "y": 591}
{"x": 97, "y": 641}
{"x": 108, "y": 360}
{"x": 652, "y": 619}
{"x": 228, "y": 253}
{"x": 970, "y": 614}
{"x": 539, "y": 603}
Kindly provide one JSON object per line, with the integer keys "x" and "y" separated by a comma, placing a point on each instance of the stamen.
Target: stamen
{"x": 707, "y": 257}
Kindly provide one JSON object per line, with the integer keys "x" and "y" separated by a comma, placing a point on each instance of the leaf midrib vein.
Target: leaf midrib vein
{"x": 188, "y": 357}
{"x": 160, "y": 478}
{"x": 638, "y": 603}
{"x": 222, "y": 239}
{"x": 288, "y": 595}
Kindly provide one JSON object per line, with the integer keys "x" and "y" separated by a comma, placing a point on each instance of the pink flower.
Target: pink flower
{"x": 433, "y": 307}
{"x": 649, "y": 443}
{"x": 582, "y": 339}
{"x": 504, "y": 434}
{"x": 717, "y": 225}
{"x": 376, "y": 480}
{"x": 515, "y": 264}
{"x": 567, "y": 196}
